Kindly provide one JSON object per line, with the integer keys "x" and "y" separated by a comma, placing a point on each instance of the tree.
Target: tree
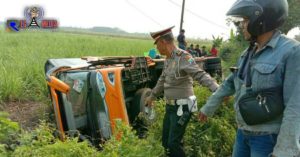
{"x": 293, "y": 18}
{"x": 217, "y": 41}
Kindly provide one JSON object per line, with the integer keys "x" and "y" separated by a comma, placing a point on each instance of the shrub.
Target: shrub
{"x": 130, "y": 145}
{"x": 231, "y": 50}
{"x": 41, "y": 142}
{"x": 9, "y": 131}
{"x": 3, "y": 151}
{"x": 215, "y": 137}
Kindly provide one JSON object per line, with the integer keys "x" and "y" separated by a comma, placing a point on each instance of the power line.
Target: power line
{"x": 142, "y": 12}
{"x": 198, "y": 16}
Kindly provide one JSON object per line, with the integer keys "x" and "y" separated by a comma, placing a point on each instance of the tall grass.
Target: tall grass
{"x": 23, "y": 55}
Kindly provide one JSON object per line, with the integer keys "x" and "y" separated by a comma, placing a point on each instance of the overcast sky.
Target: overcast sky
{"x": 202, "y": 18}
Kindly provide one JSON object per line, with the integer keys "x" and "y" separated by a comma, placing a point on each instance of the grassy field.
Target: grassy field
{"x": 22, "y": 79}
{"x": 24, "y": 54}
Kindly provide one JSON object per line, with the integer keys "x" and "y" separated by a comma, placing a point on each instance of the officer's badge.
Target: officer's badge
{"x": 190, "y": 59}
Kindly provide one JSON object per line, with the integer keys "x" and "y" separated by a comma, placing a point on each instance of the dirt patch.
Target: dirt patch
{"x": 27, "y": 114}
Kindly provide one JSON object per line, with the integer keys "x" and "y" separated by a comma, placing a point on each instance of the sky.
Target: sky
{"x": 202, "y": 18}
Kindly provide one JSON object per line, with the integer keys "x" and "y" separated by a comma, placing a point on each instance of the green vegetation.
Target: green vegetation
{"x": 22, "y": 78}
{"x": 293, "y": 19}
{"x": 22, "y": 60}
{"x": 9, "y": 129}
{"x": 231, "y": 50}
{"x": 214, "y": 138}
{"x": 41, "y": 142}
{"x": 24, "y": 54}
{"x": 9, "y": 133}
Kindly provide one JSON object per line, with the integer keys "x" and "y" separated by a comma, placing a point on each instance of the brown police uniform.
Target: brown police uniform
{"x": 176, "y": 82}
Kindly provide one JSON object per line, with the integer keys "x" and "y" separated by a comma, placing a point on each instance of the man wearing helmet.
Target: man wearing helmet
{"x": 271, "y": 60}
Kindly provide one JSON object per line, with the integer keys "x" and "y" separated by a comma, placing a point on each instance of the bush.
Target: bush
{"x": 215, "y": 137}
{"x": 3, "y": 151}
{"x": 68, "y": 148}
{"x": 126, "y": 143}
{"x": 41, "y": 142}
{"x": 9, "y": 131}
{"x": 231, "y": 51}
{"x": 211, "y": 139}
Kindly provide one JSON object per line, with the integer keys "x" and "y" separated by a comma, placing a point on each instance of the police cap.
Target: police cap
{"x": 162, "y": 33}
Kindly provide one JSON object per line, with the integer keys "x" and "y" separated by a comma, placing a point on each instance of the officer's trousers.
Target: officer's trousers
{"x": 173, "y": 131}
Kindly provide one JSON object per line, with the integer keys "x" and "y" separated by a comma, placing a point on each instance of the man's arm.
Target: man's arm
{"x": 226, "y": 89}
{"x": 288, "y": 138}
{"x": 191, "y": 68}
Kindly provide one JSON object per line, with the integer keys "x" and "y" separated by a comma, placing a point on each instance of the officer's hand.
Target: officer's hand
{"x": 149, "y": 102}
{"x": 202, "y": 117}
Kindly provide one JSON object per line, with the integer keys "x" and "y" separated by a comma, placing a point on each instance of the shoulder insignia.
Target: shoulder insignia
{"x": 191, "y": 60}
{"x": 187, "y": 57}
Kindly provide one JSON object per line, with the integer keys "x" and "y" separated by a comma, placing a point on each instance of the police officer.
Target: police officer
{"x": 271, "y": 61}
{"x": 176, "y": 82}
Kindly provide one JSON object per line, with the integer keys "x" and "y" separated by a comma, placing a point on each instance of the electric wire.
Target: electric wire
{"x": 143, "y": 13}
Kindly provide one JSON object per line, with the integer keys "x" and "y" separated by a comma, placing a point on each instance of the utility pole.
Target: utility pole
{"x": 182, "y": 12}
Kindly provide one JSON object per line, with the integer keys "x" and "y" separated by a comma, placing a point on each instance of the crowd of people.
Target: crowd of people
{"x": 195, "y": 51}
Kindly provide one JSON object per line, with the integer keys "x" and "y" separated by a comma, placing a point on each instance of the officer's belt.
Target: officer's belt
{"x": 177, "y": 101}
{"x": 253, "y": 133}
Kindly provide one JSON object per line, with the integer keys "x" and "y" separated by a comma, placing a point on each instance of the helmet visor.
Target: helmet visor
{"x": 235, "y": 19}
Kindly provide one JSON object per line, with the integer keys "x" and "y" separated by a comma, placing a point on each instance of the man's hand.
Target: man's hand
{"x": 149, "y": 102}
{"x": 202, "y": 117}
{"x": 226, "y": 100}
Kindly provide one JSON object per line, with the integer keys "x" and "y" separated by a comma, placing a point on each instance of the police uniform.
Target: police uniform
{"x": 176, "y": 82}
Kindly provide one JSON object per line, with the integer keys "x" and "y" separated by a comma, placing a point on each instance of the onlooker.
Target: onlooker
{"x": 214, "y": 51}
{"x": 181, "y": 40}
{"x": 152, "y": 53}
{"x": 198, "y": 51}
{"x": 265, "y": 83}
{"x": 191, "y": 48}
{"x": 204, "y": 52}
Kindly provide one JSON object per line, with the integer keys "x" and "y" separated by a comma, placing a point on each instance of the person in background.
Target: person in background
{"x": 198, "y": 51}
{"x": 181, "y": 40}
{"x": 152, "y": 53}
{"x": 191, "y": 49}
{"x": 203, "y": 50}
{"x": 176, "y": 83}
{"x": 270, "y": 63}
{"x": 214, "y": 51}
